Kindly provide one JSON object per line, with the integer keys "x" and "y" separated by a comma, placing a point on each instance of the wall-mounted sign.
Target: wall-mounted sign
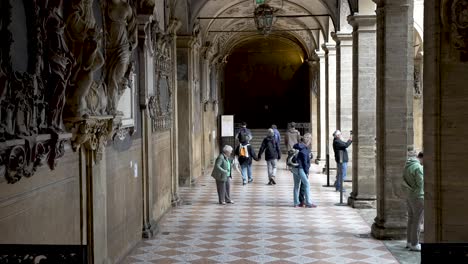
{"x": 227, "y": 126}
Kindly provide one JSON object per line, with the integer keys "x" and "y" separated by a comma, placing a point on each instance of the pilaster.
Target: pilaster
{"x": 173, "y": 28}
{"x": 330, "y": 58}
{"x": 394, "y": 122}
{"x": 445, "y": 132}
{"x": 322, "y": 99}
{"x": 344, "y": 88}
{"x": 314, "y": 82}
{"x": 363, "y": 194}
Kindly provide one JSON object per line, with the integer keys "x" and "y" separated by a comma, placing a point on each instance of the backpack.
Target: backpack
{"x": 291, "y": 160}
{"x": 243, "y": 136}
{"x": 243, "y": 151}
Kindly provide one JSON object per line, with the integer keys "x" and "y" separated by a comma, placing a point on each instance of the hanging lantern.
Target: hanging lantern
{"x": 264, "y": 17}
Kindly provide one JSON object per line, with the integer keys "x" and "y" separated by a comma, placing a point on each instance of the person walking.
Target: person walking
{"x": 245, "y": 153}
{"x": 301, "y": 172}
{"x": 244, "y": 135}
{"x": 292, "y": 137}
{"x": 272, "y": 154}
{"x": 413, "y": 183}
{"x": 222, "y": 174}
{"x": 341, "y": 158}
{"x": 277, "y": 135}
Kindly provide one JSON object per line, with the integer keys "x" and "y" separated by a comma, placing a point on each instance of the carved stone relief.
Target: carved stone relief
{"x": 84, "y": 39}
{"x": 455, "y": 19}
{"x": 122, "y": 39}
{"x": 160, "y": 105}
{"x": 32, "y": 102}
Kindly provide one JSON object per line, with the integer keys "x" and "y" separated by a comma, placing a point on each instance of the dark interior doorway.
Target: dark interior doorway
{"x": 267, "y": 82}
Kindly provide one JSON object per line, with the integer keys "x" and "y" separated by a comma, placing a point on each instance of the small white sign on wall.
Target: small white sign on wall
{"x": 126, "y": 103}
{"x": 227, "y": 126}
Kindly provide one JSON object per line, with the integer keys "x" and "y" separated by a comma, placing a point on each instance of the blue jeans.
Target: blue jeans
{"x": 341, "y": 169}
{"x": 246, "y": 171}
{"x": 300, "y": 178}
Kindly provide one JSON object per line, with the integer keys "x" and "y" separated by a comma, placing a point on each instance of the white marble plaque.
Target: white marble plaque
{"x": 227, "y": 126}
{"x": 127, "y": 104}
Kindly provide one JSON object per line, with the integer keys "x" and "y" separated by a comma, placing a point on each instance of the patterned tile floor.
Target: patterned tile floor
{"x": 261, "y": 227}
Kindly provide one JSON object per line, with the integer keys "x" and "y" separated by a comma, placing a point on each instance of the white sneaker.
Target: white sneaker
{"x": 415, "y": 248}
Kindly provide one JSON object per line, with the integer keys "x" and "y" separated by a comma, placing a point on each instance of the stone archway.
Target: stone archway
{"x": 260, "y": 73}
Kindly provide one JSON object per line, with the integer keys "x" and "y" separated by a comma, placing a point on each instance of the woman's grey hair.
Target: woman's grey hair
{"x": 227, "y": 148}
{"x": 307, "y": 137}
{"x": 412, "y": 154}
{"x": 271, "y": 132}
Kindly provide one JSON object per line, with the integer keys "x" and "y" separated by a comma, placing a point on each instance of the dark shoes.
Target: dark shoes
{"x": 250, "y": 180}
{"x": 311, "y": 206}
{"x": 273, "y": 181}
{"x": 244, "y": 183}
{"x": 230, "y": 202}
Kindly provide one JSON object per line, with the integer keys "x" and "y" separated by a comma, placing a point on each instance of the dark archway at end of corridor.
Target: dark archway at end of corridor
{"x": 267, "y": 82}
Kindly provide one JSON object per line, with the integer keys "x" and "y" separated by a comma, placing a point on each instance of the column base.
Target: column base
{"x": 150, "y": 229}
{"x": 176, "y": 200}
{"x": 388, "y": 233}
{"x": 361, "y": 203}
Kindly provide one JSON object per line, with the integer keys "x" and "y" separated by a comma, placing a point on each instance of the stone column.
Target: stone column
{"x": 173, "y": 27}
{"x": 394, "y": 131}
{"x": 331, "y": 98}
{"x": 146, "y": 88}
{"x": 322, "y": 99}
{"x": 364, "y": 110}
{"x": 445, "y": 130}
{"x": 344, "y": 89}
{"x": 184, "y": 109}
{"x": 314, "y": 79}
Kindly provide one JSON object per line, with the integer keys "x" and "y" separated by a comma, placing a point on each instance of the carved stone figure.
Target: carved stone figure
{"x": 122, "y": 40}
{"x": 3, "y": 91}
{"x": 83, "y": 40}
{"x": 58, "y": 65}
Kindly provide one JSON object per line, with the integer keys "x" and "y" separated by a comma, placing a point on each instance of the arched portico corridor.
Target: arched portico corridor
{"x": 261, "y": 227}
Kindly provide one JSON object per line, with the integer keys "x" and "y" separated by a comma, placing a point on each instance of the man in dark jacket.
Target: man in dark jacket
{"x": 341, "y": 157}
{"x": 245, "y": 154}
{"x": 301, "y": 173}
{"x": 244, "y": 135}
{"x": 272, "y": 154}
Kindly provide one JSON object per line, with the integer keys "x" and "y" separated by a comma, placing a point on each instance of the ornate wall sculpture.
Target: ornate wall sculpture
{"x": 455, "y": 19}
{"x": 121, "y": 40}
{"x": 31, "y": 102}
{"x": 160, "y": 105}
{"x": 84, "y": 39}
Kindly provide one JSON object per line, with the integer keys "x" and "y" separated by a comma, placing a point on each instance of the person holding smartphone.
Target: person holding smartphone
{"x": 341, "y": 157}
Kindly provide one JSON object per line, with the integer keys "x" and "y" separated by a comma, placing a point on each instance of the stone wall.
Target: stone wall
{"x": 124, "y": 199}
{"x": 162, "y": 174}
{"x": 43, "y": 209}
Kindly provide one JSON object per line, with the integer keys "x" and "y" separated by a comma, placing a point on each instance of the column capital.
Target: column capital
{"x": 363, "y": 22}
{"x": 320, "y": 54}
{"x": 329, "y": 48}
{"x": 343, "y": 38}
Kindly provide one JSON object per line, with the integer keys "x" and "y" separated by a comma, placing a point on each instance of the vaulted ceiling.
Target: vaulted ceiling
{"x": 220, "y": 23}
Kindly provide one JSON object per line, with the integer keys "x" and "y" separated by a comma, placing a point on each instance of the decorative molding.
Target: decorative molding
{"x": 22, "y": 157}
{"x": 32, "y": 101}
{"x": 160, "y": 121}
{"x": 91, "y": 133}
{"x": 454, "y": 14}
{"x": 160, "y": 105}
{"x": 32, "y": 254}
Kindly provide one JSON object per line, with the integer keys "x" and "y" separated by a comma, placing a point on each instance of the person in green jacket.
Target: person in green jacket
{"x": 413, "y": 183}
{"x": 222, "y": 174}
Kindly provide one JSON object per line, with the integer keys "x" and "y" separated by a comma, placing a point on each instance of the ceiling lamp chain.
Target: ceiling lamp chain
{"x": 264, "y": 16}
